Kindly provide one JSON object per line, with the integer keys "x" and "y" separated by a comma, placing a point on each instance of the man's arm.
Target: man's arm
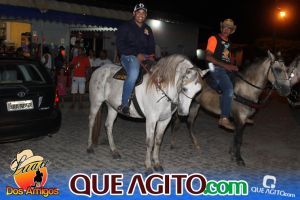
{"x": 122, "y": 41}
{"x": 209, "y": 57}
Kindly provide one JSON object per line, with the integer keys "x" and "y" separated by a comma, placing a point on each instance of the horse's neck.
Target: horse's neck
{"x": 256, "y": 75}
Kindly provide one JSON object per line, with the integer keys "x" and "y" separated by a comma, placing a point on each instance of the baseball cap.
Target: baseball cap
{"x": 139, "y": 6}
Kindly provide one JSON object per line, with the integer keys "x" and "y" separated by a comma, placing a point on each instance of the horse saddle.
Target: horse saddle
{"x": 122, "y": 75}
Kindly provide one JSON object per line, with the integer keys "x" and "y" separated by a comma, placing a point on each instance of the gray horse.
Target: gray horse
{"x": 248, "y": 87}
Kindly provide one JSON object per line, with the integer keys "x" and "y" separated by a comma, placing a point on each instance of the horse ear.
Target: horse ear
{"x": 184, "y": 65}
{"x": 203, "y": 72}
{"x": 271, "y": 56}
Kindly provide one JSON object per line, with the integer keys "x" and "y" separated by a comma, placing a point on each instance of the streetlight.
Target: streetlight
{"x": 281, "y": 15}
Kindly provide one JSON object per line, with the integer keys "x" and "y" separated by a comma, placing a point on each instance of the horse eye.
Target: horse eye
{"x": 184, "y": 89}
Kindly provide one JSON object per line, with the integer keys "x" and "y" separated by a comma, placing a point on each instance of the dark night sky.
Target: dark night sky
{"x": 254, "y": 18}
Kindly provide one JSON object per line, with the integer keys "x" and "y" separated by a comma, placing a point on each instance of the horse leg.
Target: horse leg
{"x": 190, "y": 122}
{"x": 150, "y": 128}
{"x": 235, "y": 151}
{"x": 175, "y": 123}
{"x": 160, "y": 130}
{"x": 94, "y": 130}
{"x": 111, "y": 117}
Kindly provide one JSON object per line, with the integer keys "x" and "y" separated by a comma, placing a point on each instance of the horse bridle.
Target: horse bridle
{"x": 239, "y": 75}
{"x": 253, "y": 104}
{"x": 158, "y": 86}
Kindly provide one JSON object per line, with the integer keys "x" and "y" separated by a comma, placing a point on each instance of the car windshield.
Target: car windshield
{"x": 20, "y": 73}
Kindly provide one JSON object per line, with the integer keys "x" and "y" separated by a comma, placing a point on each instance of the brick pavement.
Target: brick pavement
{"x": 271, "y": 145}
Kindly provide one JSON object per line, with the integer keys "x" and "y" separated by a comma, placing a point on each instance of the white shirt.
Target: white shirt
{"x": 48, "y": 65}
{"x": 92, "y": 62}
{"x": 99, "y": 62}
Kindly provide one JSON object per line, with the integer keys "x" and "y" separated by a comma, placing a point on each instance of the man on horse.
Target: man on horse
{"x": 135, "y": 44}
{"x": 218, "y": 53}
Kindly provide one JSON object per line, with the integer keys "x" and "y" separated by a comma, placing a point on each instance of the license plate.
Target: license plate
{"x": 19, "y": 105}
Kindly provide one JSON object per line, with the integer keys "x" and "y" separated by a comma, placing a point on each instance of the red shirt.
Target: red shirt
{"x": 81, "y": 64}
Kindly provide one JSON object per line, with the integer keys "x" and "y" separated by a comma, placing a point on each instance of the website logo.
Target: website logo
{"x": 269, "y": 184}
{"x": 269, "y": 181}
{"x": 30, "y": 175}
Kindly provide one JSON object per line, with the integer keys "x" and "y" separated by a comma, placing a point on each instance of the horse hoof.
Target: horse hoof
{"x": 148, "y": 172}
{"x": 90, "y": 150}
{"x": 116, "y": 155}
{"x": 158, "y": 168}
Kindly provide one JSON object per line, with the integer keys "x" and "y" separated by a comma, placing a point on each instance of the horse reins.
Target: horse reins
{"x": 262, "y": 103}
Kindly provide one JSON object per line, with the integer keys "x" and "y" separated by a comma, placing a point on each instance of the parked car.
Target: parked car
{"x": 29, "y": 104}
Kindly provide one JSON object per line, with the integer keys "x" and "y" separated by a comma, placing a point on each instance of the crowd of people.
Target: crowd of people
{"x": 71, "y": 75}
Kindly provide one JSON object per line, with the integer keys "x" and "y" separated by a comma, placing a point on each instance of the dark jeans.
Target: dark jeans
{"x": 224, "y": 83}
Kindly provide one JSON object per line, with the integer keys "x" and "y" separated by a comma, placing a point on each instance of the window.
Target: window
{"x": 20, "y": 73}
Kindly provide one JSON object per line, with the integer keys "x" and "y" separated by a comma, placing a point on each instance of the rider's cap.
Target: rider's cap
{"x": 229, "y": 24}
{"x": 139, "y": 6}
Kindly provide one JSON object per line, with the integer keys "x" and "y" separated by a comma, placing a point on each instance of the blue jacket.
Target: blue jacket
{"x": 132, "y": 39}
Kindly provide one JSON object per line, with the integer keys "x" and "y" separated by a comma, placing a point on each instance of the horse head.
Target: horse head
{"x": 190, "y": 85}
{"x": 277, "y": 75}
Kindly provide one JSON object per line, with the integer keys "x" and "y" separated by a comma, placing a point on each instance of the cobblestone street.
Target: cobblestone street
{"x": 270, "y": 146}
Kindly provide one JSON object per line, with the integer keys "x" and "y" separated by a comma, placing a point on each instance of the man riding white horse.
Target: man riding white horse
{"x": 135, "y": 43}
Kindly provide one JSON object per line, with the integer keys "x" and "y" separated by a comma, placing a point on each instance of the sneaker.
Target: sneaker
{"x": 224, "y": 122}
{"x": 124, "y": 110}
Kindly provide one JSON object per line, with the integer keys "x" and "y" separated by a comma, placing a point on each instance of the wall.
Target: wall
{"x": 175, "y": 38}
{"x": 109, "y": 43}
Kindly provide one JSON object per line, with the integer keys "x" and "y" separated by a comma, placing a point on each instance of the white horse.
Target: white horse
{"x": 172, "y": 84}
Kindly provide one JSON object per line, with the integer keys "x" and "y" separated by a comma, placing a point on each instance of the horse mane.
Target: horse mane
{"x": 248, "y": 71}
{"x": 165, "y": 70}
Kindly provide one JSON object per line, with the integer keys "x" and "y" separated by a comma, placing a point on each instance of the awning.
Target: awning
{"x": 18, "y": 12}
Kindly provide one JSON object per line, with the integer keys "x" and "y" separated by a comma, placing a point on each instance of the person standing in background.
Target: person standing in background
{"x": 80, "y": 64}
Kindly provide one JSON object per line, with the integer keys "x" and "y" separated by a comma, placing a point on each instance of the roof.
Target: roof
{"x": 62, "y": 12}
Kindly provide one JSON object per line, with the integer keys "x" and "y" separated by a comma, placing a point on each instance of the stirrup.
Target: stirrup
{"x": 124, "y": 110}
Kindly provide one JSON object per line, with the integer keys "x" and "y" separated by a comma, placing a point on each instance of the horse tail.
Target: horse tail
{"x": 97, "y": 127}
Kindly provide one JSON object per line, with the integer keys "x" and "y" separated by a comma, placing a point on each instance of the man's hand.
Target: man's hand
{"x": 140, "y": 57}
{"x": 232, "y": 68}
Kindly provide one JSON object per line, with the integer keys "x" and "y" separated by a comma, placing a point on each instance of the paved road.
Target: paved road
{"x": 270, "y": 146}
